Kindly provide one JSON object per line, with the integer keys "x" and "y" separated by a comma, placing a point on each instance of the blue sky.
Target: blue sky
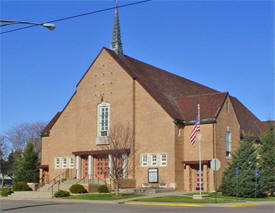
{"x": 226, "y": 45}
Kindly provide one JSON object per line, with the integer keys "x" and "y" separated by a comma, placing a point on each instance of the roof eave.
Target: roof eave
{"x": 192, "y": 122}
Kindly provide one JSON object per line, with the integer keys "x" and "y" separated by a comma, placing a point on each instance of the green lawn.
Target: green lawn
{"x": 188, "y": 199}
{"x": 184, "y": 199}
{"x": 104, "y": 196}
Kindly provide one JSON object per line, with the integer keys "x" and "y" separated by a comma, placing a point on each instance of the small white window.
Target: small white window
{"x": 144, "y": 160}
{"x": 154, "y": 160}
{"x": 57, "y": 163}
{"x": 163, "y": 159}
{"x": 64, "y": 163}
{"x": 103, "y": 119}
{"x": 71, "y": 163}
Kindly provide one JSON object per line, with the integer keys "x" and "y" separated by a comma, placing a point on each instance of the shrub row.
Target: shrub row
{"x": 6, "y": 192}
{"x": 77, "y": 188}
{"x": 21, "y": 186}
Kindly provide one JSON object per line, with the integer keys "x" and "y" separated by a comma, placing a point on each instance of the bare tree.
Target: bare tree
{"x": 4, "y": 147}
{"x": 21, "y": 134}
{"x": 120, "y": 141}
{"x": 3, "y": 158}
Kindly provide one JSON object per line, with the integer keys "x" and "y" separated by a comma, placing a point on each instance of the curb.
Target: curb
{"x": 220, "y": 205}
{"x": 162, "y": 204}
{"x": 241, "y": 205}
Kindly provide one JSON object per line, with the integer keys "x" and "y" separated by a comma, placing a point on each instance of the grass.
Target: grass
{"x": 188, "y": 199}
{"x": 105, "y": 196}
{"x": 184, "y": 199}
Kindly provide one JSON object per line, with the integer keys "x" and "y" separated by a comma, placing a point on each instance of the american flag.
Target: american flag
{"x": 195, "y": 130}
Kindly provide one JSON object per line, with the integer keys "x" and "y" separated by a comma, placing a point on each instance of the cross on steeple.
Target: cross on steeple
{"x": 116, "y": 44}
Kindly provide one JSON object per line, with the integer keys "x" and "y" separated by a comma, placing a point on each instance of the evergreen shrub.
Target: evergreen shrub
{"x": 77, "y": 188}
{"x": 61, "y": 193}
{"x": 245, "y": 161}
{"x": 103, "y": 189}
{"x": 21, "y": 186}
{"x": 6, "y": 192}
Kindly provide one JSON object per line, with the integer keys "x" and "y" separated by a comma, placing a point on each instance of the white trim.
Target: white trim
{"x": 64, "y": 163}
{"x": 163, "y": 185}
{"x": 163, "y": 162}
{"x": 71, "y": 162}
{"x": 145, "y": 185}
{"x": 158, "y": 162}
{"x": 229, "y": 145}
{"x": 144, "y": 163}
{"x": 57, "y": 165}
{"x": 154, "y": 162}
{"x": 99, "y": 108}
{"x": 78, "y": 167}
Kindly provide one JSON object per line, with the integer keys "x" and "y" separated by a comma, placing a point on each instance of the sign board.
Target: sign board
{"x": 215, "y": 164}
{"x": 237, "y": 171}
{"x": 153, "y": 175}
{"x": 256, "y": 172}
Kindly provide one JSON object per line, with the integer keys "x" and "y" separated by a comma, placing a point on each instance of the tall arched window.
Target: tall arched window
{"x": 103, "y": 119}
{"x": 228, "y": 144}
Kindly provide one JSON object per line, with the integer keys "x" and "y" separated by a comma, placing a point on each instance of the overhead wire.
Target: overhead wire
{"x": 76, "y": 16}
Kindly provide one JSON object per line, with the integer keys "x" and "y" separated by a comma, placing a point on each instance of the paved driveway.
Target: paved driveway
{"x": 12, "y": 206}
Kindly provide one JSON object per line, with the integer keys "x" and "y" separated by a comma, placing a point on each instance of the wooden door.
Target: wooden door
{"x": 101, "y": 167}
{"x": 84, "y": 167}
{"x": 196, "y": 177}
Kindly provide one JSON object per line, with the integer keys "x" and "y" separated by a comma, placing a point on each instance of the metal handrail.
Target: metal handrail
{"x": 55, "y": 181}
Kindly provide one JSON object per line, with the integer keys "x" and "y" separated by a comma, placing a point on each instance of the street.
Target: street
{"x": 11, "y": 206}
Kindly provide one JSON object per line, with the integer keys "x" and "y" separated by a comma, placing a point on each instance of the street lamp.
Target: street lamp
{"x": 49, "y": 26}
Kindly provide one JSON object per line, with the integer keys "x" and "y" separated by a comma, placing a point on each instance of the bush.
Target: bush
{"x": 21, "y": 186}
{"x": 103, "y": 189}
{"x": 77, "y": 188}
{"x": 61, "y": 193}
{"x": 6, "y": 192}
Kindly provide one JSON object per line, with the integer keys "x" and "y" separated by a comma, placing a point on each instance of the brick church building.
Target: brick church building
{"x": 160, "y": 108}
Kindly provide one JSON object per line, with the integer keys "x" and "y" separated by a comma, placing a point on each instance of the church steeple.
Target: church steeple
{"x": 116, "y": 44}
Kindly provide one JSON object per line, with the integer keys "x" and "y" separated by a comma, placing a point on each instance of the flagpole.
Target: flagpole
{"x": 199, "y": 138}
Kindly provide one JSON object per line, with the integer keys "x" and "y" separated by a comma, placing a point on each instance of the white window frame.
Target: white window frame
{"x": 144, "y": 163}
{"x": 71, "y": 162}
{"x": 64, "y": 164}
{"x": 163, "y": 162}
{"x": 57, "y": 165}
{"x": 228, "y": 152}
{"x": 154, "y": 163}
{"x": 106, "y": 129}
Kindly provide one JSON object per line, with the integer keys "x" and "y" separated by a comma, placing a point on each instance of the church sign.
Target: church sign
{"x": 153, "y": 175}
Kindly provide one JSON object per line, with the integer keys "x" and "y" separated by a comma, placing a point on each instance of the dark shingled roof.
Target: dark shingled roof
{"x": 210, "y": 105}
{"x": 179, "y": 96}
{"x": 249, "y": 123}
{"x": 163, "y": 86}
{"x": 266, "y": 124}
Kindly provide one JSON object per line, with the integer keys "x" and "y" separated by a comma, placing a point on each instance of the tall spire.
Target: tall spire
{"x": 116, "y": 44}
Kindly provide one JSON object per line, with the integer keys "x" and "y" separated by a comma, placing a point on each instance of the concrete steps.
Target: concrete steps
{"x": 30, "y": 195}
{"x": 66, "y": 184}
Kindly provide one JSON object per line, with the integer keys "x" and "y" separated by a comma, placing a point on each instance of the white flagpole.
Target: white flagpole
{"x": 199, "y": 138}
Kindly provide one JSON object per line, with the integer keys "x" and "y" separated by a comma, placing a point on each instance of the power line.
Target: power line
{"x": 76, "y": 16}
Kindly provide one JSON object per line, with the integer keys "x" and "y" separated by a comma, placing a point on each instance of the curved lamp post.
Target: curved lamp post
{"x": 49, "y": 26}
